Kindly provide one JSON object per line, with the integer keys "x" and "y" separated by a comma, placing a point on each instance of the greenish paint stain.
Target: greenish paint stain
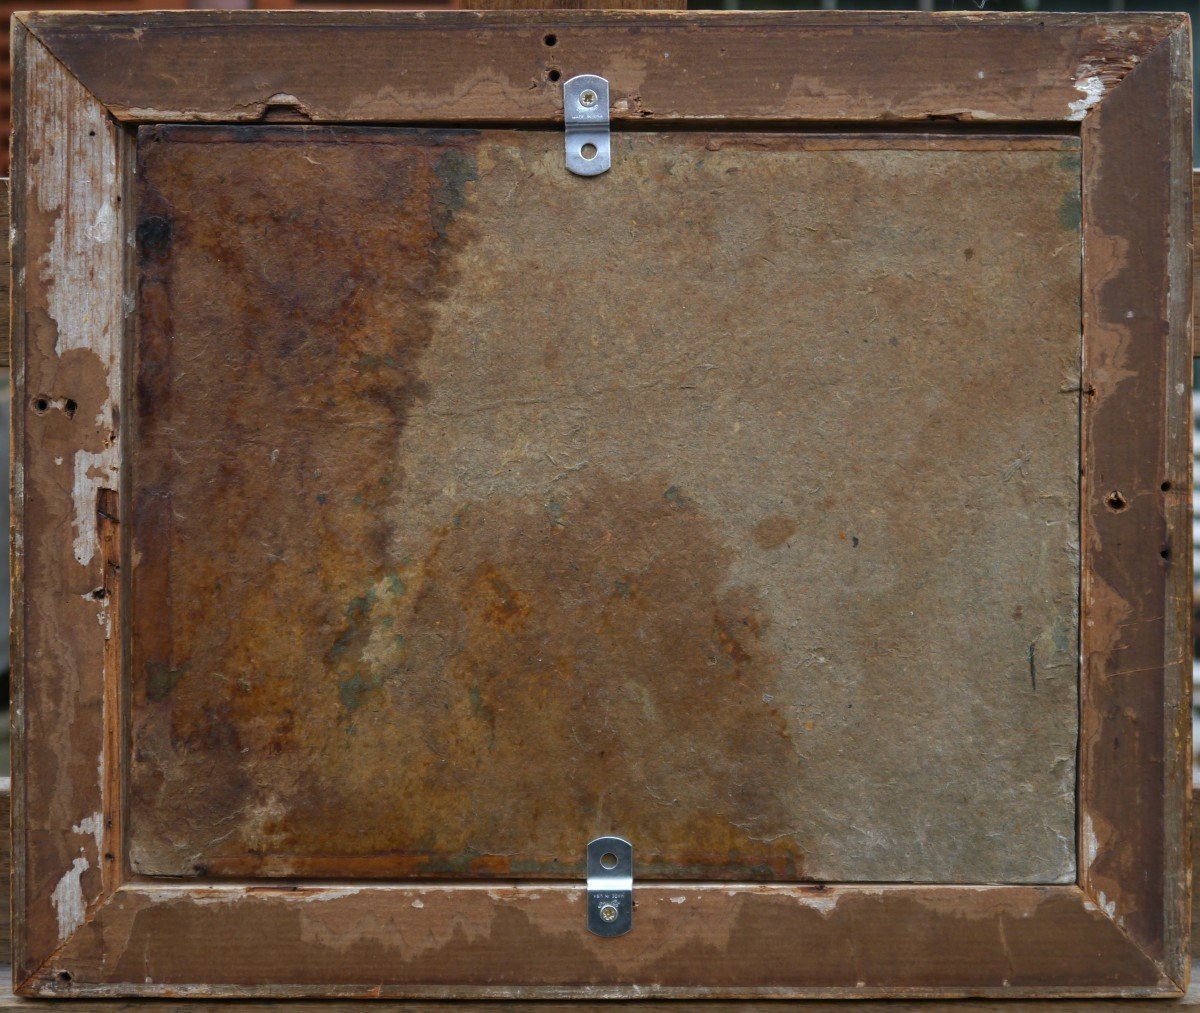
{"x": 1070, "y": 211}
{"x": 161, "y": 680}
{"x": 353, "y": 690}
{"x": 1061, "y": 639}
{"x": 396, "y": 585}
{"x": 455, "y": 169}
{"x": 555, "y": 511}
{"x": 476, "y": 697}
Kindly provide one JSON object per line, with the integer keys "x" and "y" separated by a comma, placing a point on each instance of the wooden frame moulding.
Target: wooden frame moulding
{"x": 84, "y": 926}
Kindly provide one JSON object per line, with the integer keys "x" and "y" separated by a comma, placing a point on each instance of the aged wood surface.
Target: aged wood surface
{"x": 1119, "y": 931}
{"x": 1187, "y": 1004}
{"x": 66, "y": 458}
{"x": 5, "y": 306}
{"x": 800, "y": 66}
{"x": 731, "y": 941}
{"x": 512, "y": 550}
{"x": 1135, "y": 754}
{"x": 578, "y": 5}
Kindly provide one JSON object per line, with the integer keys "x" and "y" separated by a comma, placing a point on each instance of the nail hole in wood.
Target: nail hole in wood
{"x": 64, "y": 977}
{"x": 1116, "y": 502}
{"x": 553, "y": 74}
{"x": 1166, "y": 553}
{"x": 551, "y": 40}
{"x": 40, "y": 405}
{"x": 1165, "y": 487}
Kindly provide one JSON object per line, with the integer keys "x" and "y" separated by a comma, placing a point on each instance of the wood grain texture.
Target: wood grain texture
{"x": 577, "y": 5}
{"x": 673, "y": 521}
{"x": 489, "y": 67}
{"x": 5, "y": 291}
{"x": 1120, "y": 932}
{"x": 1136, "y": 734}
{"x": 66, "y": 458}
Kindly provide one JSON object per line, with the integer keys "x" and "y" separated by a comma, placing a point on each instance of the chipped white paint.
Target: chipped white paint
{"x": 678, "y": 900}
{"x": 337, "y": 893}
{"x": 825, "y": 902}
{"x": 93, "y": 825}
{"x": 80, "y": 270}
{"x": 1093, "y": 91}
{"x": 93, "y": 472}
{"x": 1109, "y": 907}
{"x": 1091, "y": 846}
{"x": 418, "y": 903}
{"x": 68, "y": 899}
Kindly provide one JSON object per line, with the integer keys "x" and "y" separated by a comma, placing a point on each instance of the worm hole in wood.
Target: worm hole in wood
{"x": 1116, "y": 502}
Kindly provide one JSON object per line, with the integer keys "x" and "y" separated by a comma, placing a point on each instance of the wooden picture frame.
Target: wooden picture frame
{"x": 85, "y": 926}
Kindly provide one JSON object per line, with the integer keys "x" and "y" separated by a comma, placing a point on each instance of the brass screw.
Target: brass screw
{"x": 608, "y": 913}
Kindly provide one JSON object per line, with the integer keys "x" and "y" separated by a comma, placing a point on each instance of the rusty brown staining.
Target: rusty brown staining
{"x": 771, "y": 532}
{"x": 568, "y": 637}
{"x": 454, "y": 548}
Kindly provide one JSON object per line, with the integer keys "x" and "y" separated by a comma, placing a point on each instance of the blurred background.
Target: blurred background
{"x": 1191, "y": 7}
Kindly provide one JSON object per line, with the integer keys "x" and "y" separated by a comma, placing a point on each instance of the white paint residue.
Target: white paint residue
{"x": 68, "y": 899}
{"x": 93, "y": 825}
{"x": 1109, "y": 907}
{"x": 823, "y": 902}
{"x": 104, "y": 225}
{"x": 418, "y": 903}
{"x": 1091, "y": 846}
{"x": 678, "y": 900}
{"x": 81, "y": 266}
{"x": 1093, "y": 92}
{"x": 334, "y": 893}
{"x": 92, "y": 473}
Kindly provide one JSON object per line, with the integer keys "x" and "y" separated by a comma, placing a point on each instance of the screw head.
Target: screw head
{"x": 608, "y": 912}
{"x": 588, "y": 98}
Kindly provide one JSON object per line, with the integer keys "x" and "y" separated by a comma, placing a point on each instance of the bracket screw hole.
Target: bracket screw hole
{"x": 608, "y": 860}
{"x": 588, "y": 151}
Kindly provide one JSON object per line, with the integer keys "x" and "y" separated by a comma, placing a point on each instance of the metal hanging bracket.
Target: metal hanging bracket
{"x": 585, "y": 115}
{"x": 609, "y": 886}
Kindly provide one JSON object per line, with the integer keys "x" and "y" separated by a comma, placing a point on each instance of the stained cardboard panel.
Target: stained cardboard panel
{"x": 727, "y": 501}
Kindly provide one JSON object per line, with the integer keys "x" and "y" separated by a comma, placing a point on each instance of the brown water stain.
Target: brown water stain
{"x": 268, "y": 258}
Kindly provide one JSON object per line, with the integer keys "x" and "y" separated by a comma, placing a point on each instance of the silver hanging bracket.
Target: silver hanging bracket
{"x": 609, "y": 886}
{"x": 585, "y": 116}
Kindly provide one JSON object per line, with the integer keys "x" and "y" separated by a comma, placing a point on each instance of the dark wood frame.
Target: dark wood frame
{"x": 85, "y": 926}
